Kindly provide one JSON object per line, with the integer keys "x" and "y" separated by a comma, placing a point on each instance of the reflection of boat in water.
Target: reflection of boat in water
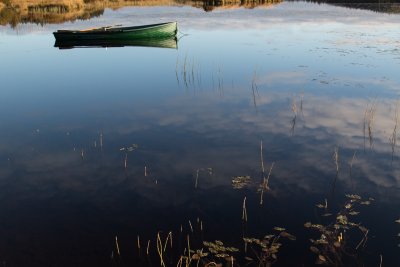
{"x": 170, "y": 42}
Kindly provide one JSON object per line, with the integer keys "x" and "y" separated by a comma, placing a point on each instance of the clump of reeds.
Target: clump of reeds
{"x": 369, "y": 118}
{"x": 127, "y": 149}
{"x": 244, "y": 210}
{"x": 393, "y": 137}
{"x": 264, "y": 186}
{"x": 351, "y": 168}
{"x": 265, "y": 179}
{"x": 336, "y": 159}
{"x": 101, "y": 140}
{"x": 185, "y": 71}
{"x": 208, "y": 171}
{"x": 331, "y": 246}
{"x": 176, "y": 70}
{"x": 161, "y": 248}
{"x": 254, "y": 89}
{"x": 116, "y": 253}
{"x": 220, "y": 81}
{"x": 294, "y": 110}
{"x": 138, "y": 244}
{"x": 262, "y": 159}
{"x": 148, "y": 247}
{"x": 218, "y": 250}
{"x": 352, "y": 162}
{"x": 117, "y": 246}
{"x": 294, "y": 105}
{"x": 197, "y": 178}
{"x": 189, "y": 71}
{"x": 265, "y": 250}
{"x": 398, "y": 235}
{"x": 301, "y": 102}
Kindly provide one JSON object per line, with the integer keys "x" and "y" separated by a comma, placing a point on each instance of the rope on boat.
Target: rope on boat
{"x": 183, "y": 34}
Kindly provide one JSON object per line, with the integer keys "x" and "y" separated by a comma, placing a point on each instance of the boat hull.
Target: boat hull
{"x": 153, "y": 31}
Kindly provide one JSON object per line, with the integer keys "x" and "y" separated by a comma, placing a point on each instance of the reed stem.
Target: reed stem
{"x": 138, "y": 243}
{"x": 117, "y": 246}
{"x": 160, "y": 249}
{"x": 197, "y": 179}
{"x": 191, "y": 227}
{"x": 264, "y": 185}
{"x": 336, "y": 158}
{"x": 244, "y": 210}
{"x": 101, "y": 140}
{"x": 189, "y": 256}
{"x": 169, "y": 236}
{"x": 262, "y": 159}
{"x": 148, "y": 247}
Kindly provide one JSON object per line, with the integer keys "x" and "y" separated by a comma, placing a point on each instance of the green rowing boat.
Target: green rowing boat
{"x": 152, "y": 31}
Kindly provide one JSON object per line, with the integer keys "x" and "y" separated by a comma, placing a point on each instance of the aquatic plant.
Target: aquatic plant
{"x": 265, "y": 180}
{"x": 265, "y": 250}
{"x": 264, "y": 185}
{"x": 239, "y": 182}
{"x": 351, "y": 163}
{"x": 398, "y": 235}
{"x": 336, "y": 159}
{"x": 208, "y": 171}
{"x": 332, "y": 244}
{"x": 393, "y": 137}
{"x": 254, "y": 89}
{"x": 369, "y": 119}
{"x": 244, "y": 210}
{"x": 217, "y": 249}
{"x": 129, "y": 148}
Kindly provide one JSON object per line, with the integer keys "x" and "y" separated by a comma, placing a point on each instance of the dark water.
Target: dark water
{"x": 305, "y": 79}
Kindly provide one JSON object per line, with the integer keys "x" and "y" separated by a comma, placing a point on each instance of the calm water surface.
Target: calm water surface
{"x": 305, "y": 79}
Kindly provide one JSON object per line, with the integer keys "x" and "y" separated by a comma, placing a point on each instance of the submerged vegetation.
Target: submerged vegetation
{"x": 333, "y": 245}
{"x": 264, "y": 252}
{"x": 339, "y": 237}
{"x": 339, "y": 242}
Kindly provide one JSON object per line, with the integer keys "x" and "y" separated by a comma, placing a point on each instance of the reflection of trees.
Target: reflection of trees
{"x": 9, "y": 16}
{"x": 209, "y": 5}
{"x": 386, "y": 6}
{"x": 13, "y": 12}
